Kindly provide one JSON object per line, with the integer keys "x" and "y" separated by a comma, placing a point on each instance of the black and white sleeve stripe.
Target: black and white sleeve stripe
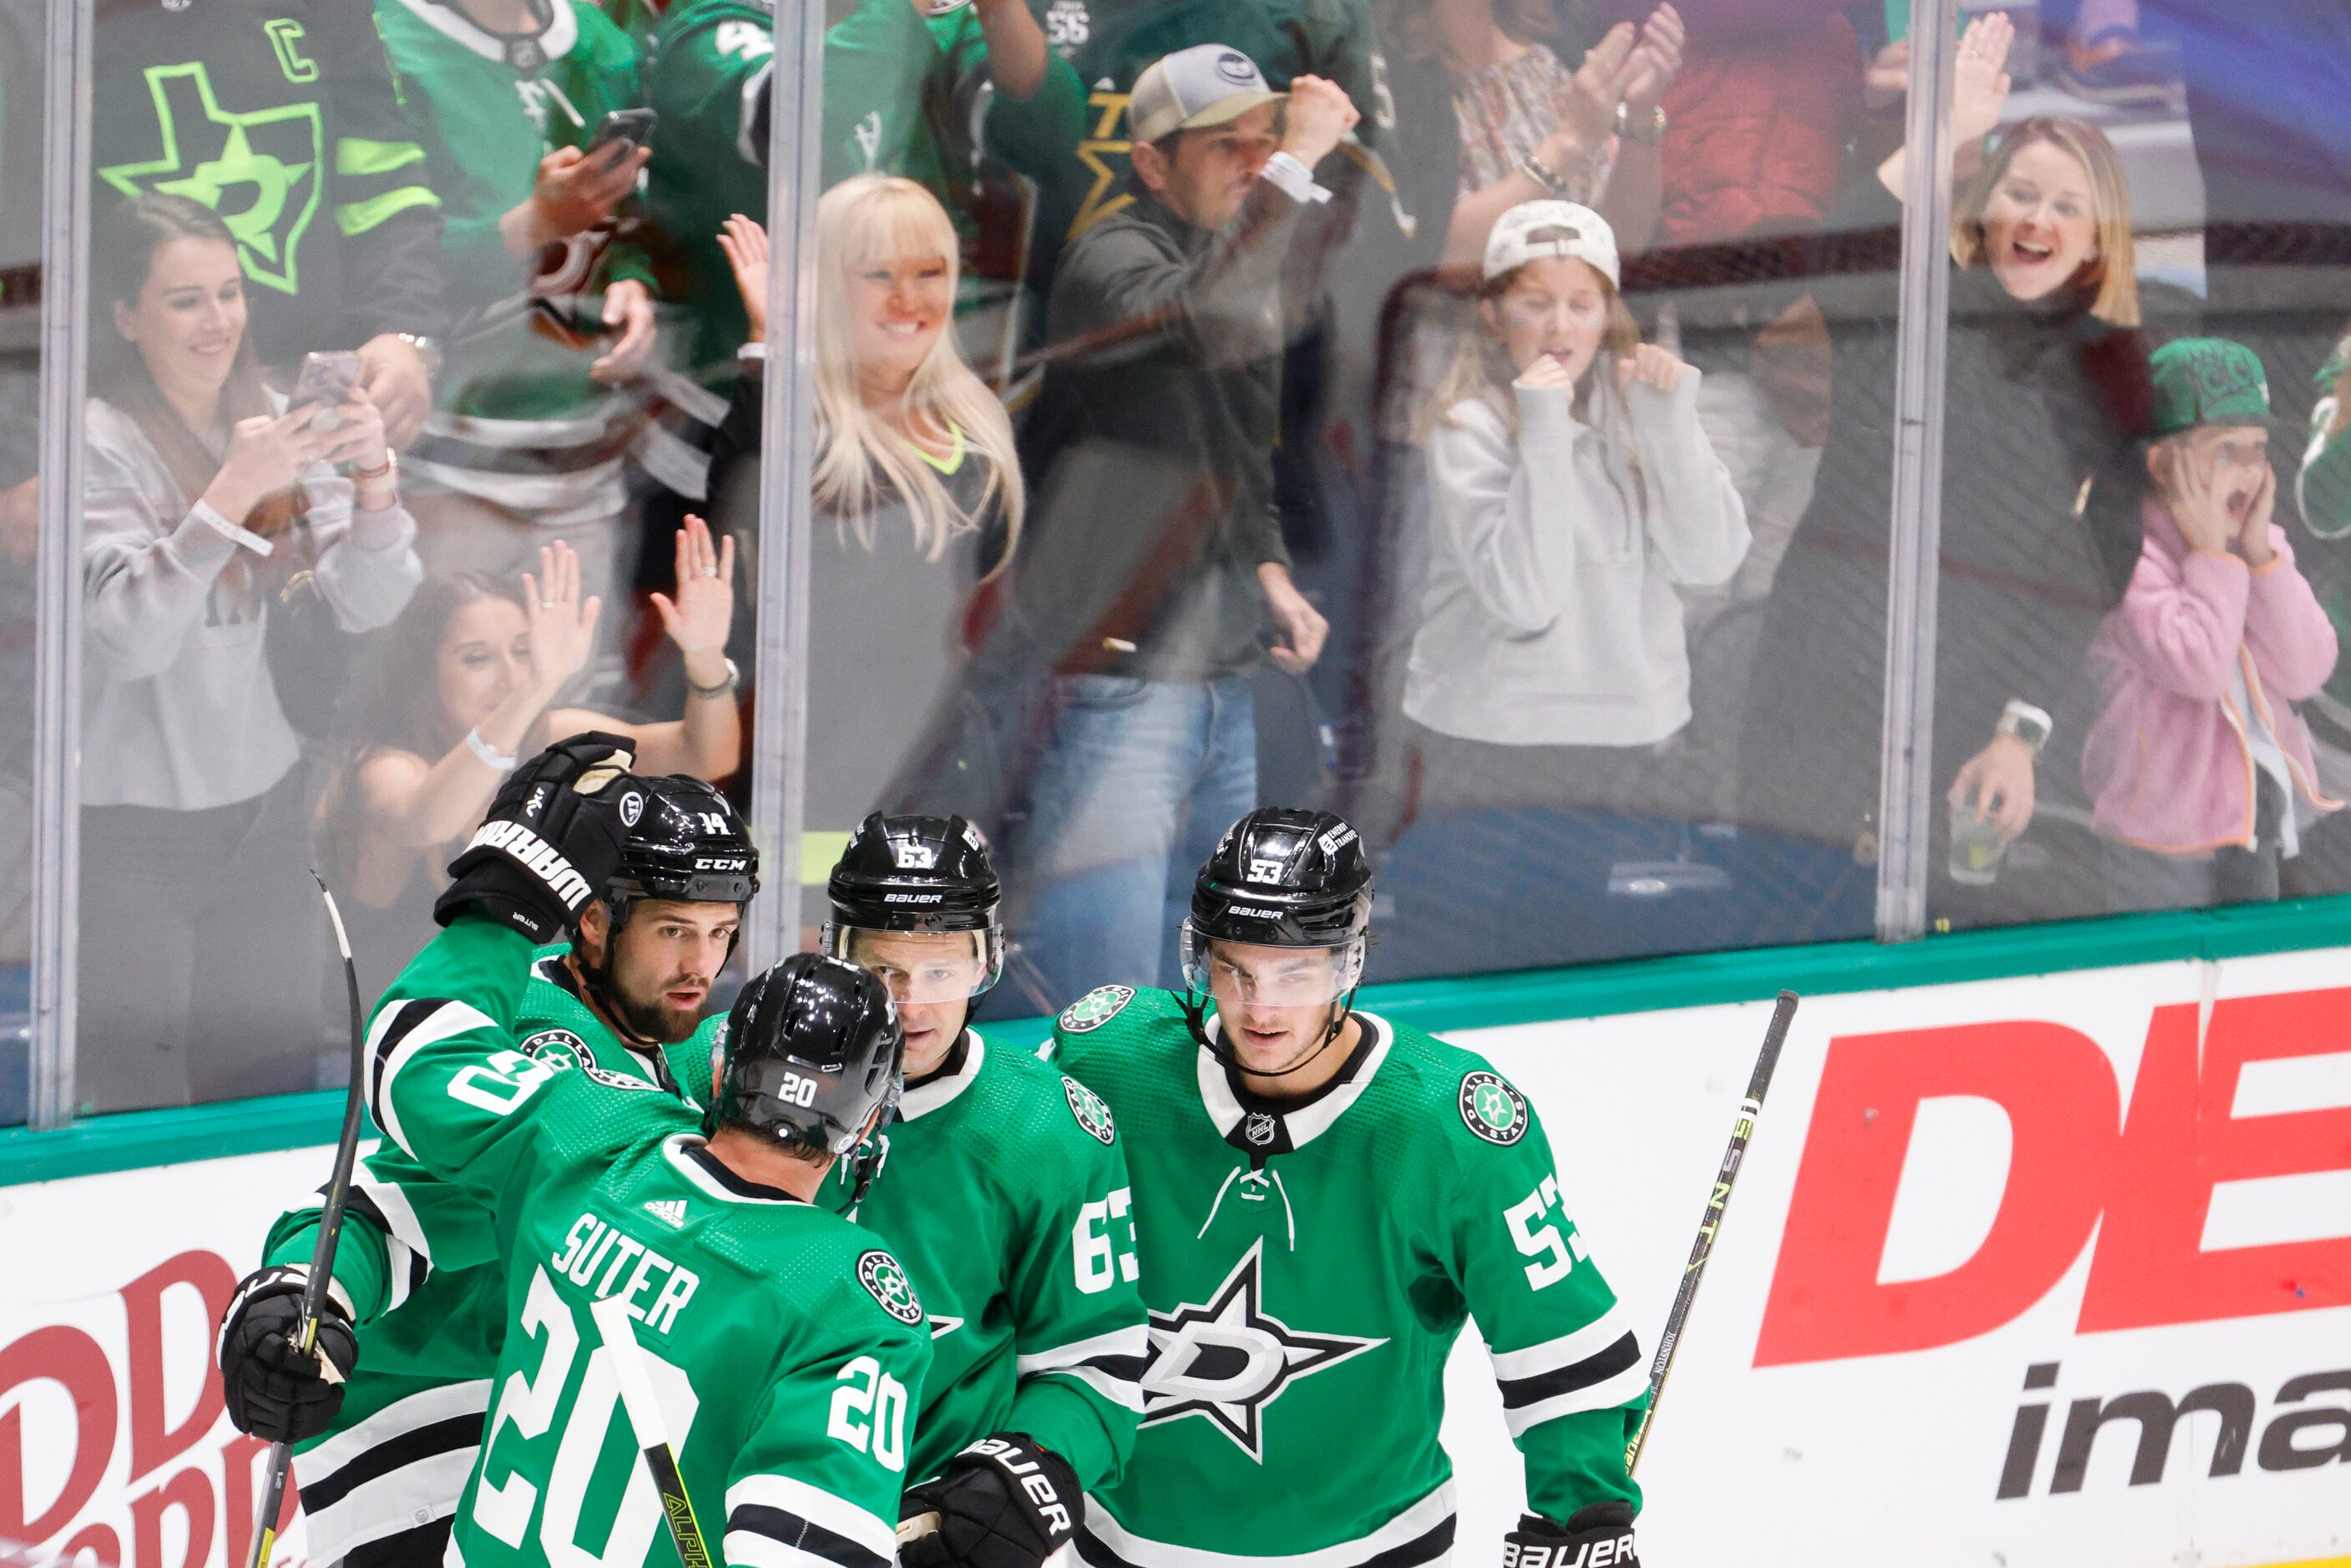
{"x": 408, "y": 1260}
{"x": 774, "y": 1522}
{"x": 1110, "y": 1364}
{"x": 396, "y": 1036}
{"x": 1597, "y": 1367}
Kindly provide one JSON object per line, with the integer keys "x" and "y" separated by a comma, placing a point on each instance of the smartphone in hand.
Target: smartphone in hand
{"x": 631, "y": 127}
{"x": 324, "y": 383}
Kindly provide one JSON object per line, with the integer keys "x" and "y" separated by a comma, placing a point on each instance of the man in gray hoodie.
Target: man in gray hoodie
{"x": 1154, "y": 560}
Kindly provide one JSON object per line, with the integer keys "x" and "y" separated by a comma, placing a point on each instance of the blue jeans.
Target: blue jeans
{"x": 1140, "y": 780}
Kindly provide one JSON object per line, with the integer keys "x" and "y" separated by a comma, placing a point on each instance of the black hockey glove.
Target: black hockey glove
{"x": 552, "y": 839}
{"x": 1003, "y": 1503}
{"x": 272, "y": 1391}
{"x": 1599, "y": 1536}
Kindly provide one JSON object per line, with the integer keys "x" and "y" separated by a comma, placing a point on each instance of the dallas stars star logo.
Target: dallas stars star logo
{"x": 1225, "y": 1361}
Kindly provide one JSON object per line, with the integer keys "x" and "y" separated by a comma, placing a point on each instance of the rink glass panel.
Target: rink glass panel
{"x": 21, "y": 113}
{"x": 274, "y": 715}
{"x": 2237, "y": 178}
{"x": 1757, "y": 822}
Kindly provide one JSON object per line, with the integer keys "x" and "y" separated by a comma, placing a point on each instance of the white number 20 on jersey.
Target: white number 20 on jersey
{"x": 1536, "y": 1237}
{"x": 869, "y": 1413}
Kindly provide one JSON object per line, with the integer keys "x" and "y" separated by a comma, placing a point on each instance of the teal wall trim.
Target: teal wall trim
{"x": 137, "y": 1138}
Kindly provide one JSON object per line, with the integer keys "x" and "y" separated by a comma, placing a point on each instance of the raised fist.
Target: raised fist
{"x": 552, "y": 841}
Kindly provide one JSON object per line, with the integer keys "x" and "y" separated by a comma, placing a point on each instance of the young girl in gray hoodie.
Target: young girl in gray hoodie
{"x": 1571, "y": 491}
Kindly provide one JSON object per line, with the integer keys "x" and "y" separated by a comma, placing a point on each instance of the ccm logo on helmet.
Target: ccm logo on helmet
{"x": 1586, "y": 1553}
{"x": 721, "y": 862}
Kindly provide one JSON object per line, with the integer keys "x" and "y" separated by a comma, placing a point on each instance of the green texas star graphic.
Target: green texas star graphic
{"x": 260, "y": 172}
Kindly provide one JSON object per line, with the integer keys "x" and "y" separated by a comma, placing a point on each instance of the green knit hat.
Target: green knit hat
{"x": 2208, "y": 381}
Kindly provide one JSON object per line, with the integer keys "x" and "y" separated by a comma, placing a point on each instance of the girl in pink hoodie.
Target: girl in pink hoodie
{"x": 2198, "y": 764}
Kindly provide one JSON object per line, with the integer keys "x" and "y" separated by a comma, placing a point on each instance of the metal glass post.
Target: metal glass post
{"x": 56, "y": 657}
{"x": 1907, "y": 750}
{"x": 787, "y": 444}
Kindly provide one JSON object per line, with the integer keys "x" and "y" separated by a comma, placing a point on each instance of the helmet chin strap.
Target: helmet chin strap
{"x": 1195, "y": 1016}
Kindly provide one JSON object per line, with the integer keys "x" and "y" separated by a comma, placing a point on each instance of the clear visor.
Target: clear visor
{"x": 922, "y": 967}
{"x": 1250, "y": 976}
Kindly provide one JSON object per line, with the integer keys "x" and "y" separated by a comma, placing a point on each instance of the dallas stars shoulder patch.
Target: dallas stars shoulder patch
{"x": 559, "y": 1048}
{"x": 1493, "y": 1109}
{"x": 1092, "y": 1114}
{"x": 1095, "y": 1008}
{"x": 887, "y": 1283}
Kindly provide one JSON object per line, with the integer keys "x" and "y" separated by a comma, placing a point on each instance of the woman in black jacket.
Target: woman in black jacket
{"x": 2045, "y": 395}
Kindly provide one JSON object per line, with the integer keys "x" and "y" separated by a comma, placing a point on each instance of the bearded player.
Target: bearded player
{"x": 1323, "y": 1198}
{"x": 383, "y": 1455}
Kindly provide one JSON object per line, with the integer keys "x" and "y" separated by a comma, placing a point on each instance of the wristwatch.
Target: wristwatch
{"x": 427, "y": 350}
{"x": 717, "y": 688}
{"x": 2020, "y": 720}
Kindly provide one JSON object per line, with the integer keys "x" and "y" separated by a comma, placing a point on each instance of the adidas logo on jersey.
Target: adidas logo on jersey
{"x": 670, "y": 1211}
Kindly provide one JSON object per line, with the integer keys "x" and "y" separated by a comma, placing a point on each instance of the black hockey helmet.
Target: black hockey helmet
{"x": 687, "y": 844}
{"x": 813, "y": 1050}
{"x": 1282, "y": 877}
{"x": 921, "y": 875}
{"x": 681, "y": 841}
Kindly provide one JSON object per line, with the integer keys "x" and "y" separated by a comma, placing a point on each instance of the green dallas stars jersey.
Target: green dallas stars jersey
{"x": 1005, "y": 1192}
{"x": 782, "y": 1342}
{"x": 1308, "y": 1269}
{"x": 516, "y": 420}
{"x": 417, "y": 1267}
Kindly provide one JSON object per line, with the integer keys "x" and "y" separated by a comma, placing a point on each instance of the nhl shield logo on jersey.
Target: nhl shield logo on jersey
{"x": 1095, "y": 1008}
{"x": 1225, "y": 1361}
{"x": 559, "y": 1048}
{"x": 887, "y": 1283}
{"x": 1092, "y": 1114}
{"x": 1260, "y": 1129}
{"x": 1493, "y": 1109}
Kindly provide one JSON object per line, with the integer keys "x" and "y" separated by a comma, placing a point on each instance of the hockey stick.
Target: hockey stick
{"x": 305, "y": 1337}
{"x": 612, "y": 1315}
{"x": 1782, "y": 1015}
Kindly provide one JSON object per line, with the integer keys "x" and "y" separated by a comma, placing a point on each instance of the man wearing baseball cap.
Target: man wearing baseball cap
{"x": 1152, "y": 571}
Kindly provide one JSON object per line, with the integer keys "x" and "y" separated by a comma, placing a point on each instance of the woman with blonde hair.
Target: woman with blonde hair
{"x": 2046, "y": 396}
{"x": 917, "y": 487}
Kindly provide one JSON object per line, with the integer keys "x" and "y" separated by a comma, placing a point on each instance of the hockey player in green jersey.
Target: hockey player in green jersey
{"x": 624, "y": 1003}
{"x": 1323, "y": 1199}
{"x": 1004, "y": 1191}
{"x": 782, "y": 1342}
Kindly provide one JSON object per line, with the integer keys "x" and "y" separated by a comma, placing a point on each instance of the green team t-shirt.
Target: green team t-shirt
{"x": 1308, "y": 1268}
